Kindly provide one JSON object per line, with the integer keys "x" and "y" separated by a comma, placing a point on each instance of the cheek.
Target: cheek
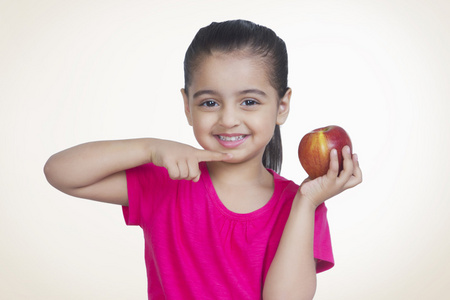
{"x": 201, "y": 123}
{"x": 267, "y": 120}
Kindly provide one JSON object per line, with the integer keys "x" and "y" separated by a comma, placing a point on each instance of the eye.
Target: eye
{"x": 209, "y": 103}
{"x": 250, "y": 102}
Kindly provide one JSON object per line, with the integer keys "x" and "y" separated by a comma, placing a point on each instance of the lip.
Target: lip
{"x": 231, "y": 140}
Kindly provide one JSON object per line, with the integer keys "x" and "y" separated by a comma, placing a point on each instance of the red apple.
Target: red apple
{"x": 315, "y": 147}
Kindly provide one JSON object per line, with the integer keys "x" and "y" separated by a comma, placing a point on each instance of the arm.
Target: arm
{"x": 96, "y": 170}
{"x": 292, "y": 274}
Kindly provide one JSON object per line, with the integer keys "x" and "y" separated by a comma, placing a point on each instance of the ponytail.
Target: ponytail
{"x": 273, "y": 154}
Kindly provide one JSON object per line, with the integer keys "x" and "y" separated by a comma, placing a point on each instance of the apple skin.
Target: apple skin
{"x": 315, "y": 147}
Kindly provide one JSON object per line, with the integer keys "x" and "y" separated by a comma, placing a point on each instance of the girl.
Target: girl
{"x": 218, "y": 223}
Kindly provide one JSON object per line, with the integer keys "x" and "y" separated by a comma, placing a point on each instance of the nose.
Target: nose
{"x": 229, "y": 117}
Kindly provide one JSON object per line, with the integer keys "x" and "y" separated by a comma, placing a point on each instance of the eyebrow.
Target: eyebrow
{"x": 243, "y": 92}
{"x": 204, "y": 92}
{"x": 253, "y": 91}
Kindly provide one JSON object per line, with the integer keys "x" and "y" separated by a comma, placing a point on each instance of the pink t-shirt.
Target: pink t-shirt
{"x": 195, "y": 248}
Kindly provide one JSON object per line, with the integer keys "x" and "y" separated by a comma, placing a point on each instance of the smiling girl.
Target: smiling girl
{"x": 218, "y": 222}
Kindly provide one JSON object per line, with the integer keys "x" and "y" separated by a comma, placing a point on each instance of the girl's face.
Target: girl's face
{"x": 232, "y": 106}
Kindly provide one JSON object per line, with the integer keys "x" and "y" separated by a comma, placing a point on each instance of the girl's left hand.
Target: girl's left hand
{"x": 322, "y": 188}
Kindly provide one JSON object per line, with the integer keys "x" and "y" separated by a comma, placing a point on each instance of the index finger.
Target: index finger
{"x": 206, "y": 155}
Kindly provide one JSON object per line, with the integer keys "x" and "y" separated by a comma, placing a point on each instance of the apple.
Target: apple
{"x": 315, "y": 147}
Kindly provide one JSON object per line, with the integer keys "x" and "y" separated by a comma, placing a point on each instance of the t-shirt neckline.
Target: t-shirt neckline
{"x": 212, "y": 194}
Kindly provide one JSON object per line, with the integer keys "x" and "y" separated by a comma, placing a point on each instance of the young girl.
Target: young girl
{"x": 218, "y": 223}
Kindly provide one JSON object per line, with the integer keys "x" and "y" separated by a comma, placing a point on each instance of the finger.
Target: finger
{"x": 347, "y": 171}
{"x": 183, "y": 170}
{"x": 194, "y": 170}
{"x": 196, "y": 179}
{"x": 205, "y": 155}
{"x": 357, "y": 174}
{"x": 356, "y": 170}
{"x": 173, "y": 170}
{"x": 333, "y": 169}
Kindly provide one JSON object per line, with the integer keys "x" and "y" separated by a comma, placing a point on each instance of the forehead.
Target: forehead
{"x": 238, "y": 69}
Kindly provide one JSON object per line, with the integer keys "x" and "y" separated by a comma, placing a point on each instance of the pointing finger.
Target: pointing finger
{"x": 206, "y": 155}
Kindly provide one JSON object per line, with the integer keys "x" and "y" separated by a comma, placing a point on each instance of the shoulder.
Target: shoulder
{"x": 284, "y": 192}
{"x": 288, "y": 189}
{"x": 284, "y": 184}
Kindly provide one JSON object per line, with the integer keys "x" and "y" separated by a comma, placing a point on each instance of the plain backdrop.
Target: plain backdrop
{"x": 78, "y": 71}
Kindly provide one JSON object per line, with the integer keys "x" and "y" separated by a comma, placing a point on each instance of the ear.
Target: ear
{"x": 187, "y": 110}
{"x": 283, "y": 107}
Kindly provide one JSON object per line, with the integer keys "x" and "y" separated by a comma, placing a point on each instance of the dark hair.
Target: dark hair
{"x": 236, "y": 35}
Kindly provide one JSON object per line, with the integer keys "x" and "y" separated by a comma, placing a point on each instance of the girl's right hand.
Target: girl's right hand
{"x": 96, "y": 170}
{"x": 181, "y": 160}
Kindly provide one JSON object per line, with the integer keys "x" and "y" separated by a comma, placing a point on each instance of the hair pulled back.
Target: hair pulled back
{"x": 235, "y": 35}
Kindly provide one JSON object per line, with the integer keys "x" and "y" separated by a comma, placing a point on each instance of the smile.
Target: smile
{"x": 231, "y": 141}
{"x": 231, "y": 138}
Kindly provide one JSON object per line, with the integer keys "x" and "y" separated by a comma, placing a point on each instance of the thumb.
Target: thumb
{"x": 206, "y": 155}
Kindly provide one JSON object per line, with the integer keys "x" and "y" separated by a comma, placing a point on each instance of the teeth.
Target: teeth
{"x": 231, "y": 138}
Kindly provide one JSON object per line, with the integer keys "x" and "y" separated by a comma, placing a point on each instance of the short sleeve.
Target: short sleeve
{"x": 131, "y": 213}
{"x": 323, "y": 252}
{"x": 144, "y": 183}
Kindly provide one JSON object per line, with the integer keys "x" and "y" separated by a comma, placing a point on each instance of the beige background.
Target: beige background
{"x": 76, "y": 71}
